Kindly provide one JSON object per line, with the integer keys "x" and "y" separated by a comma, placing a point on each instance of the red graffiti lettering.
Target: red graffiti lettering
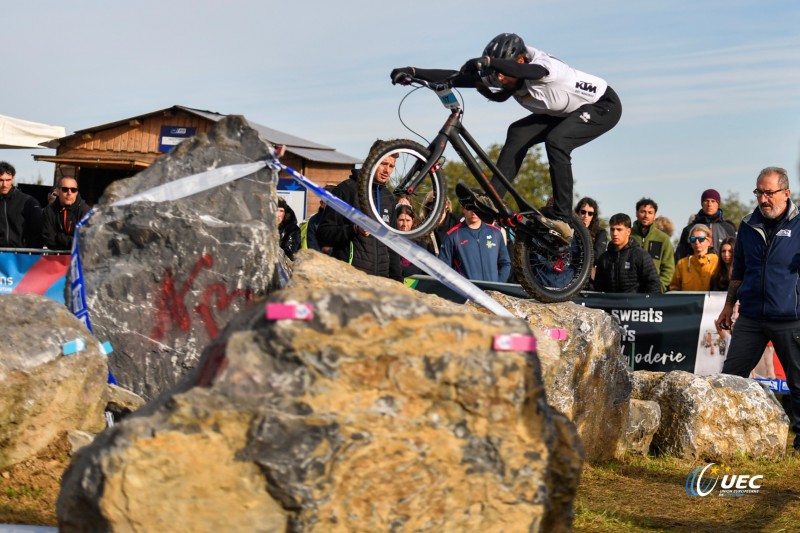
{"x": 224, "y": 299}
{"x": 171, "y": 308}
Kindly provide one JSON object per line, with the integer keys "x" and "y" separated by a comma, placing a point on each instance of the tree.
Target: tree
{"x": 532, "y": 182}
{"x": 735, "y": 209}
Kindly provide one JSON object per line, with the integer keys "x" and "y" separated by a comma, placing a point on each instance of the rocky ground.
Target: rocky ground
{"x": 28, "y": 490}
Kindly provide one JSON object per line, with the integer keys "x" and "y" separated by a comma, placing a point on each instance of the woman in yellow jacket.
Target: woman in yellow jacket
{"x": 694, "y": 272}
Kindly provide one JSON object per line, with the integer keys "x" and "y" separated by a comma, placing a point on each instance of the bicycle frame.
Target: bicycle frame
{"x": 454, "y": 132}
{"x": 549, "y": 267}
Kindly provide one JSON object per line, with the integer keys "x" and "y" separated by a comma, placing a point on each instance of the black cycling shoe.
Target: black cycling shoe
{"x": 477, "y": 201}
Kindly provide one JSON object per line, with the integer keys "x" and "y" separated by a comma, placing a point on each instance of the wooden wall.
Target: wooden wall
{"x": 320, "y": 173}
{"x": 129, "y": 139}
{"x": 139, "y": 141}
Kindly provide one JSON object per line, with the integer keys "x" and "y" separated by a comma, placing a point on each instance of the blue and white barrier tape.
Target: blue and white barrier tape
{"x": 411, "y": 251}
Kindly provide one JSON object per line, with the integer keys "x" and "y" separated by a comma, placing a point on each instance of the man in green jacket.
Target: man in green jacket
{"x": 654, "y": 241}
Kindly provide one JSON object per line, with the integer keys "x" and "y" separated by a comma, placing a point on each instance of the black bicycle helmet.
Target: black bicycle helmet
{"x": 505, "y": 46}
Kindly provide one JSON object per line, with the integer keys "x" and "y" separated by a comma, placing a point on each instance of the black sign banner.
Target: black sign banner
{"x": 659, "y": 332}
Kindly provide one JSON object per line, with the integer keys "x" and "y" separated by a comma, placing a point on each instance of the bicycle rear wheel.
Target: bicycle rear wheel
{"x": 425, "y": 194}
{"x": 550, "y": 276}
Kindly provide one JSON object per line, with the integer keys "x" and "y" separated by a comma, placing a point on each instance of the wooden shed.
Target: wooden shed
{"x": 99, "y": 155}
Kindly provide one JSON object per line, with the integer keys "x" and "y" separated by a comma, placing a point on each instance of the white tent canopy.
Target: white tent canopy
{"x": 18, "y": 133}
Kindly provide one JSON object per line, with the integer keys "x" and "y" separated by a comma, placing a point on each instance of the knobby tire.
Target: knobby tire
{"x": 533, "y": 265}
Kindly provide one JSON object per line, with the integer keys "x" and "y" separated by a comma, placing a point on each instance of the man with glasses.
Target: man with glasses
{"x": 710, "y": 214}
{"x": 765, "y": 282}
{"x": 20, "y": 213}
{"x": 654, "y": 241}
{"x": 61, "y": 216}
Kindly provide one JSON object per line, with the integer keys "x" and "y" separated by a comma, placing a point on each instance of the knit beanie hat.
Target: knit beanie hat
{"x": 710, "y": 193}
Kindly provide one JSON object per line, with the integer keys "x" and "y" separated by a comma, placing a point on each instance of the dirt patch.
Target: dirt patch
{"x": 28, "y": 490}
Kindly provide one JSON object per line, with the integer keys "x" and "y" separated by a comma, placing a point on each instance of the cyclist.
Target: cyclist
{"x": 569, "y": 108}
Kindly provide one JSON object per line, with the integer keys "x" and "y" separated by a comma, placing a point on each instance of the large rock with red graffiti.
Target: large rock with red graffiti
{"x": 162, "y": 279}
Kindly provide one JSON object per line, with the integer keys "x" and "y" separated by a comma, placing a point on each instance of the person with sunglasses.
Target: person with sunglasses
{"x": 20, "y": 213}
{"x": 711, "y": 215}
{"x": 766, "y": 285}
{"x": 589, "y": 213}
{"x": 694, "y": 272}
{"x": 61, "y": 216}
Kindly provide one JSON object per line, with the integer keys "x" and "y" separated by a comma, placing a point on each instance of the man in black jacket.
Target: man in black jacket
{"x": 625, "y": 267}
{"x": 710, "y": 214}
{"x": 20, "y": 214}
{"x": 354, "y": 244}
{"x": 62, "y": 215}
{"x": 288, "y": 230}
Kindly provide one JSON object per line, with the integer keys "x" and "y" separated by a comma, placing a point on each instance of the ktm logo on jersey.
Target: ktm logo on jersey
{"x": 586, "y": 86}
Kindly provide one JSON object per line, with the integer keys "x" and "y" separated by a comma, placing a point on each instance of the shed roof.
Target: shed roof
{"x": 301, "y": 147}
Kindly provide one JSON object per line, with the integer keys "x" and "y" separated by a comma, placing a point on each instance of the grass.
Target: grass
{"x": 634, "y": 494}
{"x": 646, "y": 494}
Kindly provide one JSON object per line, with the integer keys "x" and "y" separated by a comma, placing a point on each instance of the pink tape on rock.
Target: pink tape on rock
{"x": 559, "y": 334}
{"x": 289, "y": 311}
{"x": 515, "y": 343}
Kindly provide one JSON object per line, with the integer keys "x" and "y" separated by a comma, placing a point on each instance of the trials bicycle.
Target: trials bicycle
{"x": 547, "y": 268}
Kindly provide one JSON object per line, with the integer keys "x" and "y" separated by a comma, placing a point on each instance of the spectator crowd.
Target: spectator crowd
{"x": 634, "y": 255}
{"x": 24, "y": 223}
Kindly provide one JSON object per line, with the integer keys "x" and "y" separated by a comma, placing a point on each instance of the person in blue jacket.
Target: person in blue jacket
{"x": 476, "y": 250}
{"x": 765, "y": 282}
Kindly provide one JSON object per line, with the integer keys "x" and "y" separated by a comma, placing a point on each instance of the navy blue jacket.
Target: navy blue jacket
{"x": 479, "y": 253}
{"x": 769, "y": 270}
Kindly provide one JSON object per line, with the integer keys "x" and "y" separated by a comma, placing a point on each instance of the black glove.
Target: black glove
{"x": 402, "y": 75}
{"x": 473, "y": 66}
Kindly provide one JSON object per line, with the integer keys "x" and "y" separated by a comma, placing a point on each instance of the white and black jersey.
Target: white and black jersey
{"x": 560, "y": 92}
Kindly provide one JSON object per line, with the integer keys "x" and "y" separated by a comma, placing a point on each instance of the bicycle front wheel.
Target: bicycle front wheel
{"x": 551, "y": 276}
{"x": 402, "y": 160}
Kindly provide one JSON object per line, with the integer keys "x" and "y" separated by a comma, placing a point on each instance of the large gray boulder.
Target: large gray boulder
{"x": 715, "y": 417}
{"x": 43, "y": 392}
{"x": 162, "y": 279}
{"x": 586, "y": 377}
{"x": 388, "y": 410}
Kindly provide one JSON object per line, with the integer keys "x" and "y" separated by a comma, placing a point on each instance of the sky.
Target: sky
{"x": 710, "y": 90}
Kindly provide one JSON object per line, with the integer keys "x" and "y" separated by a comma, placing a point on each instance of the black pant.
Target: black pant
{"x": 560, "y": 135}
{"x": 750, "y": 337}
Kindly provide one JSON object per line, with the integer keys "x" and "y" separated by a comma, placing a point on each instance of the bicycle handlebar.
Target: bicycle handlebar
{"x": 435, "y": 86}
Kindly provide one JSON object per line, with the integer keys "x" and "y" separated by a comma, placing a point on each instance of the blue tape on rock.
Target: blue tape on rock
{"x": 106, "y": 348}
{"x": 71, "y": 347}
